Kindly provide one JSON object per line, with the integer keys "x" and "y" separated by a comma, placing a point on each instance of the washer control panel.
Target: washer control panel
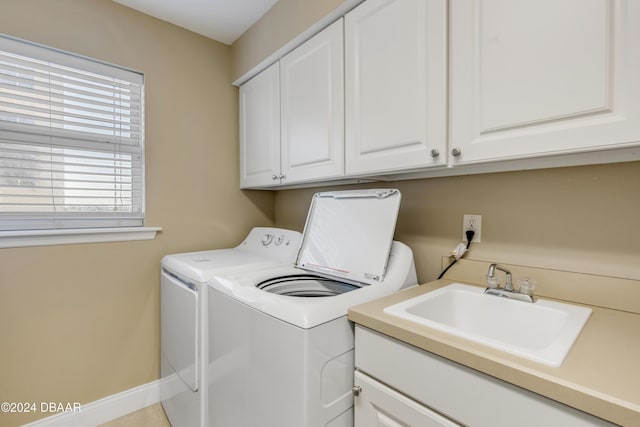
{"x": 274, "y": 243}
{"x": 276, "y": 240}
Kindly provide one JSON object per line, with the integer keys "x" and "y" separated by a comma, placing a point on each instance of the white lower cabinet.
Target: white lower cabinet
{"x": 380, "y": 406}
{"x": 401, "y": 385}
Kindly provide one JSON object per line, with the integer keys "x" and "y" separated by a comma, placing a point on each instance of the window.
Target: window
{"x": 71, "y": 141}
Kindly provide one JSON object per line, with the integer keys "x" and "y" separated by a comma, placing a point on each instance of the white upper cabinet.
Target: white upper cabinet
{"x": 535, "y": 78}
{"x": 260, "y": 129}
{"x": 407, "y": 87}
{"x": 395, "y": 86}
{"x": 292, "y": 116}
{"x": 312, "y": 108}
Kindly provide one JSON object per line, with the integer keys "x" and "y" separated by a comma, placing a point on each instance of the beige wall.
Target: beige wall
{"x": 580, "y": 219}
{"x": 81, "y": 322}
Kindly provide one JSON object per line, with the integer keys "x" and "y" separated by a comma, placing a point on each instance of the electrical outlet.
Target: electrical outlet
{"x": 472, "y": 222}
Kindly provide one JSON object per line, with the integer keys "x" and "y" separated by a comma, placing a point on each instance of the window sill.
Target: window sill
{"x": 24, "y": 238}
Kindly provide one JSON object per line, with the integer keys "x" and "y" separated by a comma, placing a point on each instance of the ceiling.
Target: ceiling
{"x": 221, "y": 20}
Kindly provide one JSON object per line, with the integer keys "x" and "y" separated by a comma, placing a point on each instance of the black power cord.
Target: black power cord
{"x": 470, "y": 234}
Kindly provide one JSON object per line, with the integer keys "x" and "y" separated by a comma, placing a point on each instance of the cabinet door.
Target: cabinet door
{"x": 260, "y": 129}
{"x": 395, "y": 85}
{"x": 380, "y": 406}
{"x": 312, "y": 100}
{"x": 536, "y": 78}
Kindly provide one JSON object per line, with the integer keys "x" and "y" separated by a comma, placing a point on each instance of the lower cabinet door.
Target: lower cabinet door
{"x": 377, "y": 405}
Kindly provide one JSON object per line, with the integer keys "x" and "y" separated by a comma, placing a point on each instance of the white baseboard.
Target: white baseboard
{"x": 106, "y": 409}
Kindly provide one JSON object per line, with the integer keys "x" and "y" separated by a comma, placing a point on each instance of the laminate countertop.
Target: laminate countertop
{"x": 600, "y": 375}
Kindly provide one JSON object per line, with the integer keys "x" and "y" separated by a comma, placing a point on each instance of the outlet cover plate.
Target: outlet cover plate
{"x": 472, "y": 222}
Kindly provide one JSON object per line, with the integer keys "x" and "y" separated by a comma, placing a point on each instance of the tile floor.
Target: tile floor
{"x": 152, "y": 416}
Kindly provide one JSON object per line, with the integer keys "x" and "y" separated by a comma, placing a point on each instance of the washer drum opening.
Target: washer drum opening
{"x": 306, "y": 286}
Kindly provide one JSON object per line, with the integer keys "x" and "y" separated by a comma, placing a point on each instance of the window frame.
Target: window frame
{"x": 85, "y": 226}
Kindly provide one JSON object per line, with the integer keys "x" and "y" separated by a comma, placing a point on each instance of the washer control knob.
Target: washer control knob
{"x": 267, "y": 239}
{"x": 356, "y": 390}
{"x": 278, "y": 241}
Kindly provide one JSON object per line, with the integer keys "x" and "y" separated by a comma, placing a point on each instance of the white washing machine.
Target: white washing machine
{"x": 184, "y": 315}
{"x": 281, "y": 349}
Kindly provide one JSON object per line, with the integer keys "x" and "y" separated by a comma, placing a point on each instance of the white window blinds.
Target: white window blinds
{"x": 71, "y": 141}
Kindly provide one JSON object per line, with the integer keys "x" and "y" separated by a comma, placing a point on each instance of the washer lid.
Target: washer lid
{"x": 348, "y": 234}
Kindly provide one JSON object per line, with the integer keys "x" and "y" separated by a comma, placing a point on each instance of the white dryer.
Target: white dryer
{"x": 184, "y": 315}
{"x": 281, "y": 349}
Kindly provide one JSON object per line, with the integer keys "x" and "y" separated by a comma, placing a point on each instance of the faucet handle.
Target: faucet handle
{"x": 492, "y": 281}
{"x": 526, "y": 285}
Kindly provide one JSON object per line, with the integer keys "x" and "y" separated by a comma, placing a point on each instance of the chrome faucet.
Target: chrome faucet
{"x": 508, "y": 291}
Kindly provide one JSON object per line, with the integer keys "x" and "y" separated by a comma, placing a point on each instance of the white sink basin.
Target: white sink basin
{"x": 543, "y": 331}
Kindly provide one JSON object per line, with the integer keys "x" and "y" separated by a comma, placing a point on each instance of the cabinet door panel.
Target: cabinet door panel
{"x": 312, "y": 96}
{"x": 260, "y": 129}
{"x": 538, "y": 78}
{"x": 525, "y": 79}
{"x": 380, "y": 406}
{"x": 395, "y": 84}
